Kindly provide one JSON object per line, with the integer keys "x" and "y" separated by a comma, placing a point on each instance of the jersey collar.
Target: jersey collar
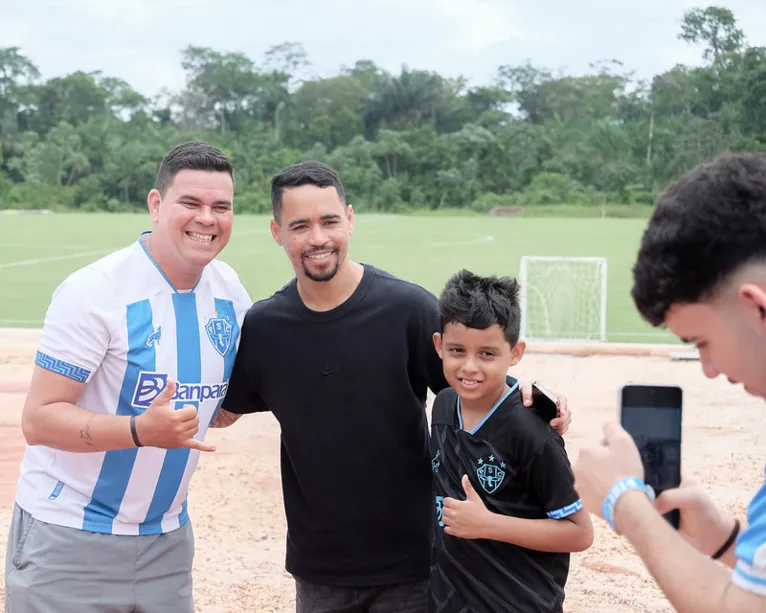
{"x": 157, "y": 266}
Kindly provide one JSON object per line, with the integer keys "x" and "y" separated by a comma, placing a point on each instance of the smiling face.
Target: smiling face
{"x": 192, "y": 221}
{"x": 314, "y": 227}
{"x": 476, "y": 361}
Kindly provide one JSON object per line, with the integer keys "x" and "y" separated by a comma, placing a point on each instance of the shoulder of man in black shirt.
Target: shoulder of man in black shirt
{"x": 242, "y": 392}
{"x": 423, "y": 322}
{"x": 408, "y": 300}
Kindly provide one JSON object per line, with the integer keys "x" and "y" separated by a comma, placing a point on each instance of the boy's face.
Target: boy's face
{"x": 730, "y": 333}
{"x": 476, "y": 361}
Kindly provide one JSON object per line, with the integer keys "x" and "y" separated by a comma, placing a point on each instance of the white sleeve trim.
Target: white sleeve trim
{"x": 749, "y": 579}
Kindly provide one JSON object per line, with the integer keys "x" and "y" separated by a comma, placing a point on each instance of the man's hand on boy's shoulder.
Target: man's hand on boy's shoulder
{"x": 467, "y": 518}
{"x": 561, "y": 423}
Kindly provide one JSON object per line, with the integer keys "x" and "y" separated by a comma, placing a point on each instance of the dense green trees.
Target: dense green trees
{"x": 410, "y": 140}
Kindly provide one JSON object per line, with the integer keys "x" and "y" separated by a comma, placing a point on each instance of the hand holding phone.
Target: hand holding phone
{"x": 545, "y": 402}
{"x": 651, "y": 414}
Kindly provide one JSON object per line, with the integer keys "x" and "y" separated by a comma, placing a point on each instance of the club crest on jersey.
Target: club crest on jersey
{"x": 219, "y": 332}
{"x": 491, "y": 474}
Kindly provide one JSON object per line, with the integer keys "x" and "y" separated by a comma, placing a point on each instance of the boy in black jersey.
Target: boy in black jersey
{"x": 508, "y": 514}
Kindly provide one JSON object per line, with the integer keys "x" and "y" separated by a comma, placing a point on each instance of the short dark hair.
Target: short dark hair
{"x": 192, "y": 155}
{"x": 309, "y": 172}
{"x": 705, "y": 227}
{"x": 481, "y": 302}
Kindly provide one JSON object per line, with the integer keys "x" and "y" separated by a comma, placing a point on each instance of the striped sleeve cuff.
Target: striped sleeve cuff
{"x": 43, "y": 360}
{"x": 566, "y": 511}
{"x": 749, "y": 579}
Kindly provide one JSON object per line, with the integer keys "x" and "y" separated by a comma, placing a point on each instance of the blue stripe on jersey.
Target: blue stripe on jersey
{"x": 225, "y": 309}
{"x": 566, "y": 511}
{"x": 60, "y": 367}
{"x": 494, "y": 408}
{"x": 747, "y": 573}
{"x": 189, "y": 371}
{"x": 118, "y": 464}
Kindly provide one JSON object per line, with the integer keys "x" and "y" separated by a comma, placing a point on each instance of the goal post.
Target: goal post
{"x": 563, "y": 298}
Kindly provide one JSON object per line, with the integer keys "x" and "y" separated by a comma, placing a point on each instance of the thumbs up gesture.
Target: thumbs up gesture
{"x": 467, "y": 518}
{"x": 169, "y": 428}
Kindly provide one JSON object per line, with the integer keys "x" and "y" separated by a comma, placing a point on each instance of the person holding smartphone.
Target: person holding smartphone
{"x": 701, "y": 272}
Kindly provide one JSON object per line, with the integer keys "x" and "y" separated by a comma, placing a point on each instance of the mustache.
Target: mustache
{"x": 309, "y": 252}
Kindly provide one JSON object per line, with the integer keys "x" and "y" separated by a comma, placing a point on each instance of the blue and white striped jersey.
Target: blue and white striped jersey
{"x": 119, "y": 326}
{"x": 750, "y": 571}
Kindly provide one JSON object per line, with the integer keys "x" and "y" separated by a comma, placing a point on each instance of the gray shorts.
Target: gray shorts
{"x": 54, "y": 569}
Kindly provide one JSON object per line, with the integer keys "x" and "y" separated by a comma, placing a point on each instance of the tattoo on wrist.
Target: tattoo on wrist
{"x": 224, "y": 418}
{"x": 85, "y": 434}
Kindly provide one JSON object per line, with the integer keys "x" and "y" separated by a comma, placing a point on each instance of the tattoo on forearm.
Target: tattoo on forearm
{"x": 85, "y": 434}
{"x": 224, "y": 419}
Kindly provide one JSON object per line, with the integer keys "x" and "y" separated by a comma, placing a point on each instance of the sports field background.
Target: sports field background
{"x": 235, "y": 498}
{"x": 38, "y": 251}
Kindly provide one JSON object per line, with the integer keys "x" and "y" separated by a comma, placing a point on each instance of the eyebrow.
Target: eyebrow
{"x": 296, "y": 222}
{"x": 191, "y": 198}
{"x": 484, "y": 348}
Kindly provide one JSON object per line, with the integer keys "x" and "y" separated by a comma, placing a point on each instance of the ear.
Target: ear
{"x": 518, "y": 352}
{"x": 153, "y": 201}
{"x": 350, "y": 217}
{"x": 438, "y": 343}
{"x": 753, "y": 298}
{"x": 274, "y": 226}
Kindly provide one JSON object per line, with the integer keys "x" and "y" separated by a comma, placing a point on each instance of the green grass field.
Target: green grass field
{"x": 38, "y": 251}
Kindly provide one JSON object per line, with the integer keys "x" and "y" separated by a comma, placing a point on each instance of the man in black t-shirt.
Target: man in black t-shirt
{"x": 343, "y": 357}
{"x": 507, "y": 510}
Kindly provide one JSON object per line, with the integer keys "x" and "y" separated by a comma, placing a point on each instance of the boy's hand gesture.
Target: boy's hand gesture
{"x": 467, "y": 518}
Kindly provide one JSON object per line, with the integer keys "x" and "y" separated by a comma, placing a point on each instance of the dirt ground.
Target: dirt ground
{"x": 236, "y": 505}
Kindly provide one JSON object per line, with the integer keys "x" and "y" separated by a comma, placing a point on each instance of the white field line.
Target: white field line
{"x": 476, "y": 241}
{"x": 54, "y": 258}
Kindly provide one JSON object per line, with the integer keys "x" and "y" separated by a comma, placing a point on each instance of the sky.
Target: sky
{"x": 140, "y": 41}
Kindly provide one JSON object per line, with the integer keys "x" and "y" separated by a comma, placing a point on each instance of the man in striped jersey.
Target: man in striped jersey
{"x": 133, "y": 363}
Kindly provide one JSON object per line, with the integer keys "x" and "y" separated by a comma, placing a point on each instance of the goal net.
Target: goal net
{"x": 563, "y": 298}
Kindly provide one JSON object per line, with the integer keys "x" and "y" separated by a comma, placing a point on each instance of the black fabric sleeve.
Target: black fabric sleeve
{"x": 425, "y": 364}
{"x": 550, "y": 477}
{"x": 242, "y": 394}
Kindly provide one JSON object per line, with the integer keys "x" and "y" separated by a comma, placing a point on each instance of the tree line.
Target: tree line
{"x": 413, "y": 140}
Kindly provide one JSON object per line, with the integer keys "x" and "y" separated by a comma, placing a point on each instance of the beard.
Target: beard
{"x": 324, "y": 274}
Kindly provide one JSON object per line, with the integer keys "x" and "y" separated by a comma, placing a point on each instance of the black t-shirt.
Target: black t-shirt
{"x": 518, "y": 465}
{"x": 348, "y": 387}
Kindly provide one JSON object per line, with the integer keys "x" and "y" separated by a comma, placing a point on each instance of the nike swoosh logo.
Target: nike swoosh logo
{"x": 328, "y": 370}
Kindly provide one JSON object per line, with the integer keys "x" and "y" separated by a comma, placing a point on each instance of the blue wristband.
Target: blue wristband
{"x": 623, "y": 486}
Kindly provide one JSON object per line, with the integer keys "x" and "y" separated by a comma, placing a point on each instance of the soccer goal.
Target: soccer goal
{"x": 563, "y": 298}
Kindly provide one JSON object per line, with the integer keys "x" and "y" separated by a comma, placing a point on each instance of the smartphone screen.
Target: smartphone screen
{"x": 652, "y": 416}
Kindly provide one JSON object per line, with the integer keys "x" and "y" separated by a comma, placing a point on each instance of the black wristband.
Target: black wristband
{"x": 729, "y": 542}
{"x": 133, "y": 431}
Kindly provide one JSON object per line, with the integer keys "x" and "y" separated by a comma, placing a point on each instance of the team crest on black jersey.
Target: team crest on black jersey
{"x": 219, "y": 332}
{"x": 491, "y": 473}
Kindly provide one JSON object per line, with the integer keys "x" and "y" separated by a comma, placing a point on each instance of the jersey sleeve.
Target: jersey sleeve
{"x": 550, "y": 476}
{"x": 76, "y": 333}
{"x": 750, "y": 569}
{"x": 242, "y": 394}
{"x": 425, "y": 363}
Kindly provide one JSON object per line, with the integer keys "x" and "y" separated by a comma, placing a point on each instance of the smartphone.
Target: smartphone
{"x": 545, "y": 402}
{"x": 651, "y": 414}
